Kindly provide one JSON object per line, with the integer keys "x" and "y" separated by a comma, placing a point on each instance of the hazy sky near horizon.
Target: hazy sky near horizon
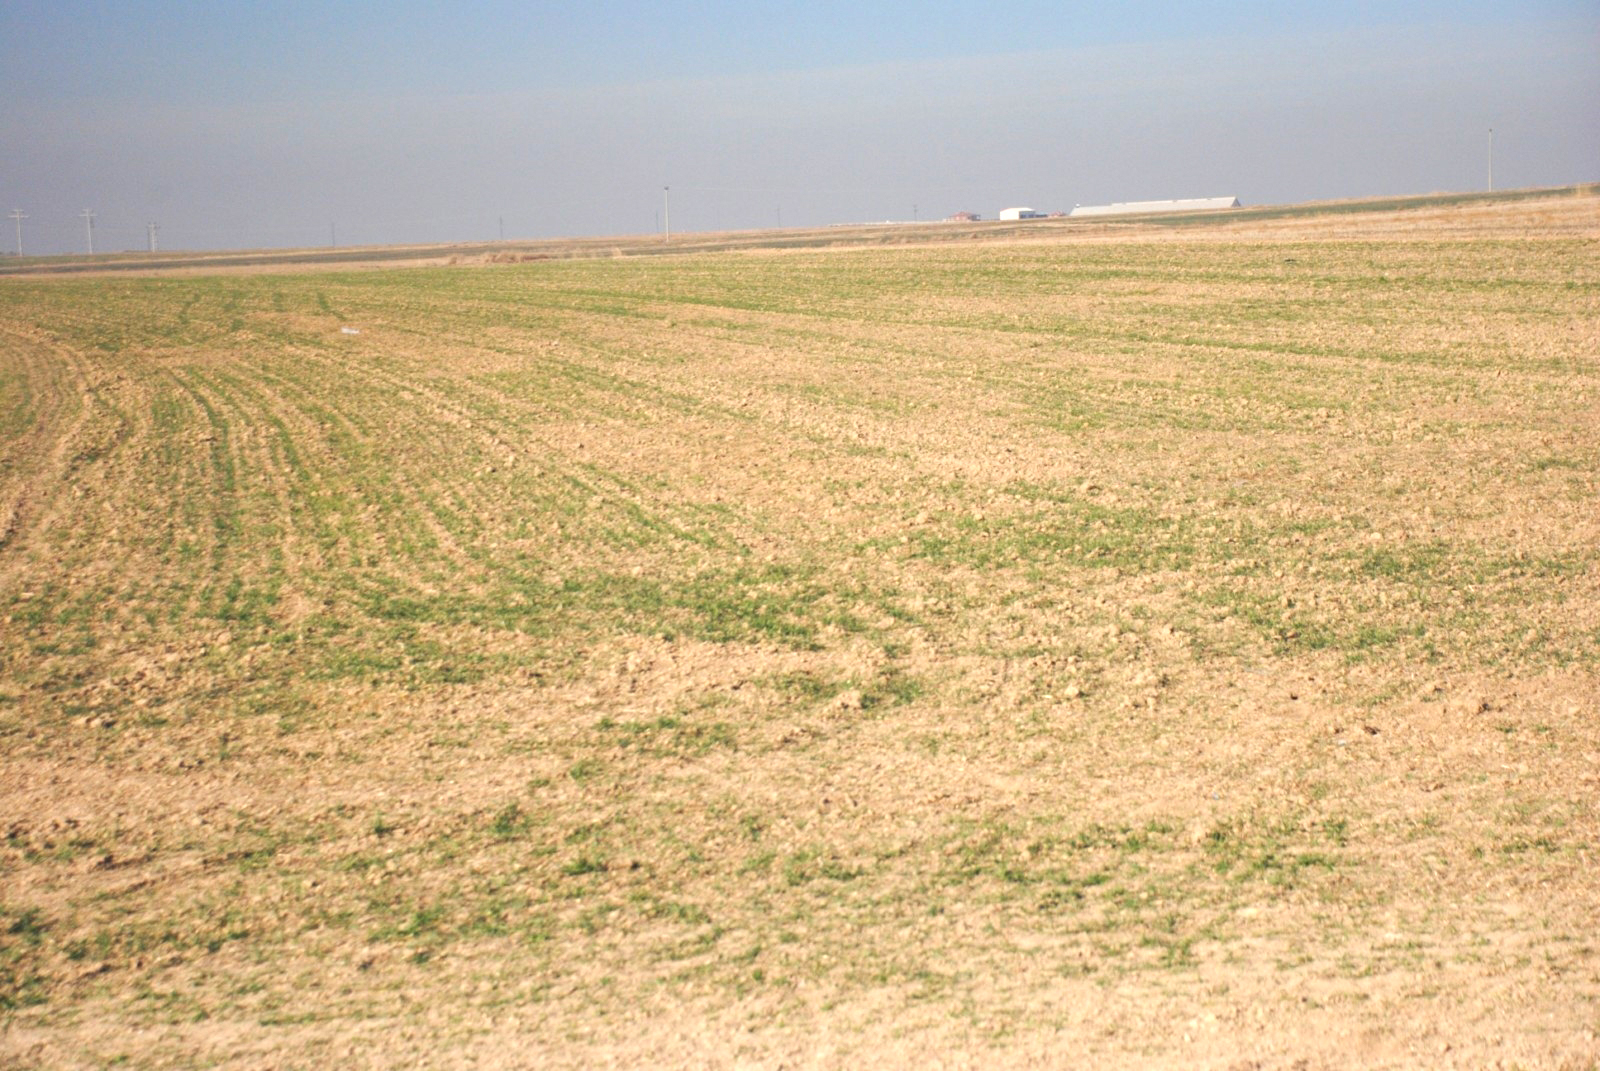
{"x": 267, "y": 124}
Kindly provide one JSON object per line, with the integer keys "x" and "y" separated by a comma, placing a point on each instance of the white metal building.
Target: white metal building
{"x": 1130, "y": 208}
{"x": 1020, "y": 213}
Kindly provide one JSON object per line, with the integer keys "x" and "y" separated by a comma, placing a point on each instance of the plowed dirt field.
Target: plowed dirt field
{"x": 1159, "y": 646}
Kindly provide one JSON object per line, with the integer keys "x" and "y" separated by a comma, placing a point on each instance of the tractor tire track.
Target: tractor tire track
{"x": 35, "y": 465}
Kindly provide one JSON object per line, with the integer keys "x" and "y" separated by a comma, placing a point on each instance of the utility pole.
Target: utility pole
{"x": 19, "y": 215}
{"x": 666, "y": 210}
{"x": 88, "y": 227}
{"x": 913, "y": 213}
{"x": 502, "y": 228}
{"x": 1491, "y": 159}
{"x": 151, "y": 228}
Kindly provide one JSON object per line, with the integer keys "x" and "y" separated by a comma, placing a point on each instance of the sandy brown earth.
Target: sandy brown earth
{"x": 1167, "y": 645}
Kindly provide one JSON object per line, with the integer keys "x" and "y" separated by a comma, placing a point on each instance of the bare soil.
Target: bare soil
{"x": 1135, "y": 646}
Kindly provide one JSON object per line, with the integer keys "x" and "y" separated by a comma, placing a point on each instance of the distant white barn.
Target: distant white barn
{"x": 1133, "y": 208}
{"x": 1020, "y": 213}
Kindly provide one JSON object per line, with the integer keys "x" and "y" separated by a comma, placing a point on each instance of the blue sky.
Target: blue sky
{"x": 270, "y": 124}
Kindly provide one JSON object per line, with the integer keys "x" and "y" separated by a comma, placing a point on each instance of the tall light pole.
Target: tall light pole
{"x": 88, "y": 227}
{"x": 151, "y": 229}
{"x": 666, "y": 210}
{"x": 19, "y": 215}
{"x": 1491, "y": 159}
